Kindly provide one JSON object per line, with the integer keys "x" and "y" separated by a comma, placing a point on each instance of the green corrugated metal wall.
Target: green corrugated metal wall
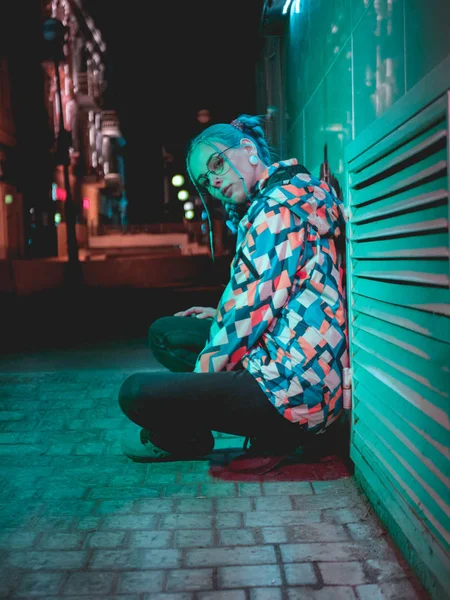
{"x": 398, "y": 277}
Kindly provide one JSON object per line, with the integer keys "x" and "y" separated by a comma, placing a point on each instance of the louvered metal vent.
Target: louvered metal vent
{"x": 398, "y": 254}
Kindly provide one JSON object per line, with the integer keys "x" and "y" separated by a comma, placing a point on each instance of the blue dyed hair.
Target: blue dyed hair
{"x": 245, "y": 126}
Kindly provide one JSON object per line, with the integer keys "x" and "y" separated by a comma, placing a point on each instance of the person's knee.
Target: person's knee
{"x": 157, "y": 331}
{"x": 128, "y": 393}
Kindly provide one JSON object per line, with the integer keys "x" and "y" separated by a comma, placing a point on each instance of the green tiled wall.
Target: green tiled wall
{"x": 346, "y": 62}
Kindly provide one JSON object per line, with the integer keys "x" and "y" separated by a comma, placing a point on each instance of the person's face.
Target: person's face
{"x": 212, "y": 172}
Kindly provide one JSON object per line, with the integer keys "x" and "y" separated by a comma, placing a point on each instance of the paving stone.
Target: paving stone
{"x": 87, "y": 523}
{"x": 249, "y": 489}
{"x": 344, "y": 515}
{"x": 234, "y": 504}
{"x": 335, "y": 592}
{"x": 269, "y": 503}
{"x": 267, "y": 518}
{"x": 228, "y": 520}
{"x": 46, "y": 559}
{"x": 170, "y": 596}
{"x": 325, "y": 487}
{"x": 265, "y": 594}
{"x": 199, "y": 538}
{"x": 317, "y": 532}
{"x": 141, "y": 581}
{"x": 116, "y": 559}
{"x": 249, "y": 576}
{"x": 37, "y": 584}
{"x": 129, "y": 522}
{"x": 15, "y": 540}
{"x": 320, "y": 501}
{"x": 214, "y": 490}
{"x": 115, "y": 507}
{"x": 61, "y": 541}
{"x": 190, "y": 579}
{"x": 362, "y": 531}
{"x": 343, "y": 573}
{"x": 186, "y": 521}
{"x": 89, "y": 583}
{"x": 245, "y": 555}
{"x": 286, "y": 487}
{"x": 150, "y": 505}
{"x": 163, "y": 559}
{"x": 237, "y": 537}
{"x": 150, "y": 539}
{"x": 300, "y": 574}
{"x": 194, "y": 505}
{"x": 274, "y": 535}
{"x": 181, "y": 491}
{"x": 398, "y": 590}
{"x": 222, "y": 595}
{"x": 124, "y": 493}
{"x": 384, "y": 570}
{"x": 106, "y": 539}
{"x": 195, "y": 477}
{"x": 329, "y": 551}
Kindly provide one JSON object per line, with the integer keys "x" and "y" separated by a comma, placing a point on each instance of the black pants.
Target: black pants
{"x": 176, "y": 404}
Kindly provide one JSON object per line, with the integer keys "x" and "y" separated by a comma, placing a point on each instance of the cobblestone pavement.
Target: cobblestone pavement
{"x": 79, "y": 520}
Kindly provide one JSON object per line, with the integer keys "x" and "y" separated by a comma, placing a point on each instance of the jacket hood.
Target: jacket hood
{"x": 310, "y": 198}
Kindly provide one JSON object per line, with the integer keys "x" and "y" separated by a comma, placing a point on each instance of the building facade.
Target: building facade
{"x": 97, "y": 173}
{"x": 11, "y": 221}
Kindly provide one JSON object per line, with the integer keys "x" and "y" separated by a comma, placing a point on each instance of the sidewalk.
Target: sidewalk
{"x": 78, "y": 520}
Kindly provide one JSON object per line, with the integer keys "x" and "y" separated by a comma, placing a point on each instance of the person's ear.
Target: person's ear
{"x": 249, "y": 147}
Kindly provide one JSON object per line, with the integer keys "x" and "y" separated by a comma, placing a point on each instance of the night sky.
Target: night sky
{"x": 164, "y": 67}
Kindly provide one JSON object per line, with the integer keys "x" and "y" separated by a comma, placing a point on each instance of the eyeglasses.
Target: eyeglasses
{"x": 216, "y": 165}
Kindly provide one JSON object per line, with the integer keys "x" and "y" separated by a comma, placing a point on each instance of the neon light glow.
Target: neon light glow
{"x": 188, "y": 206}
{"x": 86, "y": 203}
{"x": 177, "y": 180}
{"x": 57, "y": 218}
{"x": 8, "y": 199}
{"x": 58, "y": 193}
{"x": 189, "y": 214}
{"x": 297, "y": 6}
{"x": 183, "y": 195}
{"x": 286, "y": 6}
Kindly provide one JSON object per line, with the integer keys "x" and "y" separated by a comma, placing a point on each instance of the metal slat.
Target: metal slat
{"x": 434, "y": 483}
{"x": 429, "y": 349}
{"x": 402, "y": 400}
{"x": 428, "y": 193}
{"x": 416, "y": 539}
{"x": 430, "y": 325}
{"x": 424, "y": 375}
{"x": 427, "y": 272}
{"x": 403, "y": 153}
{"x": 437, "y": 459}
{"x": 432, "y": 166}
{"x": 426, "y": 220}
{"x": 428, "y": 299}
{"x": 420, "y": 122}
{"x": 405, "y": 480}
{"x": 417, "y": 246}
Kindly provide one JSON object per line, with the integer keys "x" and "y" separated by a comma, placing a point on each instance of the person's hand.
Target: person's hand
{"x": 201, "y": 312}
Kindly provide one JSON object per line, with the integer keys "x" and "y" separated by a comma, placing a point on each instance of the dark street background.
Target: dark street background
{"x": 167, "y": 61}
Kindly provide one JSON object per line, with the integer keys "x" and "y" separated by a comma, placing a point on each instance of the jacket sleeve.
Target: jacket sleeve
{"x": 261, "y": 278}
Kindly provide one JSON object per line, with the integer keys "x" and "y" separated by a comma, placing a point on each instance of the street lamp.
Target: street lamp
{"x": 54, "y": 39}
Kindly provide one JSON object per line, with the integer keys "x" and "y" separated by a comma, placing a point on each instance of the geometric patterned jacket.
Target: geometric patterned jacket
{"x": 282, "y": 315}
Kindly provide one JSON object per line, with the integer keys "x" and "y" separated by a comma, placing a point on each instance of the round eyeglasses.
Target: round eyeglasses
{"x": 216, "y": 165}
